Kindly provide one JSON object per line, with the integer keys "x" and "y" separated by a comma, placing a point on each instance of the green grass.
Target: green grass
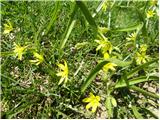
{"x": 54, "y": 29}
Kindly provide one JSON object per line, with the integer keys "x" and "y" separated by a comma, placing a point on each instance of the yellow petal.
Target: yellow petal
{"x": 94, "y": 108}
{"x": 61, "y": 66}
{"x": 61, "y": 80}
{"x": 89, "y": 105}
{"x": 86, "y": 100}
{"x": 60, "y": 74}
{"x": 98, "y": 98}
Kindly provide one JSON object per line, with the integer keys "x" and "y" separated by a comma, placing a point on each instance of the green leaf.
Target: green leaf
{"x": 69, "y": 27}
{"x": 108, "y": 106}
{"x": 119, "y": 62}
{"x": 144, "y": 92}
{"x": 113, "y": 101}
{"x": 122, "y": 83}
{"x": 53, "y": 18}
{"x": 136, "y": 113}
{"x": 131, "y": 28}
{"x": 132, "y": 72}
{"x": 86, "y": 13}
{"x": 92, "y": 75}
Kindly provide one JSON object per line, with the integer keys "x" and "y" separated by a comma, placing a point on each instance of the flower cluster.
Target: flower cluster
{"x": 141, "y": 56}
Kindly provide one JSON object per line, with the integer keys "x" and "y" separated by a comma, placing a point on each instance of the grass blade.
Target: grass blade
{"x": 136, "y": 113}
{"x": 150, "y": 112}
{"x": 92, "y": 75}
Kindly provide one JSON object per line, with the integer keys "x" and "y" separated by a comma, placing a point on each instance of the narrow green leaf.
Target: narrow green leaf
{"x": 90, "y": 19}
{"x": 131, "y": 28}
{"x": 144, "y": 92}
{"x": 122, "y": 83}
{"x": 119, "y": 62}
{"x": 136, "y": 113}
{"x": 92, "y": 75}
{"x": 132, "y": 72}
{"x": 53, "y": 18}
{"x": 69, "y": 28}
{"x": 86, "y": 13}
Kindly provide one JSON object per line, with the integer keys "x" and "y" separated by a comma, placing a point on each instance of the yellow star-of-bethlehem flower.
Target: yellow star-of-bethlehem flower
{"x": 150, "y": 13}
{"x": 19, "y": 50}
{"x": 38, "y": 59}
{"x": 143, "y": 48}
{"x": 93, "y": 102}
{"x": 63, "y": 72}
{"x": 108, "y": 65}
{"x": 7, "y": 27}
{"x": 104, "y": 45}
{"x": 141, "y": 56}
{"x": 132, "y": 37}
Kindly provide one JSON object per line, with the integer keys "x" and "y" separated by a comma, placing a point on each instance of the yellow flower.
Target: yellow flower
{"x": 104, "y": 45}
{"x": 39, "y": 58}
{"x": 109, "y": 66}
{"x": 132, "y": 37}
{"x": 19, "y": 50}
{"x": 150, "y": 13}
{"x": 63, "y": 73}
{"x": 141, "y": 58}
{"x": 7, "y": 28}
{"x": 93, "y": 101}
{"x": 105, "y": 56}
{"x": 143, "y": 48}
